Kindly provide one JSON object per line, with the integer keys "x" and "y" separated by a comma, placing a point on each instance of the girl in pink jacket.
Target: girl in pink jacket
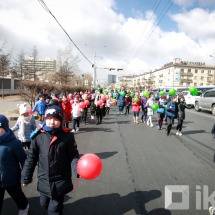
{"x": 136, "y": 104}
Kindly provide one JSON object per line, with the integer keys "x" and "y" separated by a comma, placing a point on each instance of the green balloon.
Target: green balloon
{"x": 195, "y": 93}
{"x": 136, "y": 100}
{"x": 172, "y": 92}
{"x": 123, "y": 93}
{"x": 131, "y": 94}
{"x": 145, "y": 94}
{"x": 192, "y": 89}
{"x": 155, "y": 106}
{"x": 96, "y": 91}
{"x": 162, "y": 93}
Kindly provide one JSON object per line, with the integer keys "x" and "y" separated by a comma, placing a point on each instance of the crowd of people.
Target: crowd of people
{"x": 51, "y": 145}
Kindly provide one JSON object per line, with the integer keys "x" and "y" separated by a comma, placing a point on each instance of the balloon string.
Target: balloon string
{"x": 76, "y": 184}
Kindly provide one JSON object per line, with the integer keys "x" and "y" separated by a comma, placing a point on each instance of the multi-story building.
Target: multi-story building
{"x": 39, "y": 67}
{"x": 175, "y": 73}
{"x": 111, "y": 79}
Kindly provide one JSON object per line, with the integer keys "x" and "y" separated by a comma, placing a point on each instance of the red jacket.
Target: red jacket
{"x": 136, "y": 105}
{"x": 66, "y": 107}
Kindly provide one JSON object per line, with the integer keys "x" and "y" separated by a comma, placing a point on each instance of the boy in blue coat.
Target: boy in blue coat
{"x": 41, "y": 107}
{"x": 171, "y": 113}
{"x": 11, "y": 156}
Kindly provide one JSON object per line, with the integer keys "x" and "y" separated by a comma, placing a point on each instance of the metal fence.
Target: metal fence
{"x": 8, "y": 86}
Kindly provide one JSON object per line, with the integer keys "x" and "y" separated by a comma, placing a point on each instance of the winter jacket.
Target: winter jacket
{"x": 76, "y": 110}
{"x": 127, "y": 101}
{"x": 120, "y": 98}
{"x": 28, "y": 129}
{"x": 161, "y": 108}
{"x": 11, "y": 156}
{"x": 98, "y": 98}
{"x": 136, "y": 105}
{"x": 173, "y": 111}
{"x": 41, "y": 106}
{"x": 149, "y": 104}
{"x": 67, "y": 108}
{"x": 143, "y": 103}
{"x": 181, "y": 110}
{"x": 56, "y": 154}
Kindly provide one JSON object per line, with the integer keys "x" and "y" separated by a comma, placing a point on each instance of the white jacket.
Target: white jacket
{"x": 76, "y": 110}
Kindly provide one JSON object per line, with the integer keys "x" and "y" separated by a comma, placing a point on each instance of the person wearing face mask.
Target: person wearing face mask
{"x": 25, "y": 125}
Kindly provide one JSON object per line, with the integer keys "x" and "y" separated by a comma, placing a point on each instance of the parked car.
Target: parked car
{"x": 206, "y": 102}
{"x": 189, "y": 99}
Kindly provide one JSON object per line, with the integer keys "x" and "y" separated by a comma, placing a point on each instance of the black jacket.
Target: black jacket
{"x": 181, "y": 110}
{"x": 56, "y": 154}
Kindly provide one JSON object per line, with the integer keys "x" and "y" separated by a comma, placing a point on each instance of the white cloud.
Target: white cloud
{"x": 189, "y": 3}
{"x": 25, "y": 24}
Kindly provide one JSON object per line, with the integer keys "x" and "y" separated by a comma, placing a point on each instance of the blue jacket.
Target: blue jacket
{"x": 161, "y": 108}
{"x": 28, "y": 129}
{"x": 121, "y": 99}
{"x": 41, "y": 105}
{"x": 173, "y": 111}
{"x": 11, "y": 154}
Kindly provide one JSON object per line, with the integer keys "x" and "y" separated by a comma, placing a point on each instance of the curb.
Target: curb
{"x": 14, "y": 118}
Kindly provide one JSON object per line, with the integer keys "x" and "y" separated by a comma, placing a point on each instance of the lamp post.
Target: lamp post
{"x": 94, "y": 65}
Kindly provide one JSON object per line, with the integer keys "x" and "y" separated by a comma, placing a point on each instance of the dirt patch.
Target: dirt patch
{"x": 17, "y": 97}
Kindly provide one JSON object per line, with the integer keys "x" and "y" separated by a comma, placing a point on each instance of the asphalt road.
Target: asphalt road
{"x": 138, "y": 162}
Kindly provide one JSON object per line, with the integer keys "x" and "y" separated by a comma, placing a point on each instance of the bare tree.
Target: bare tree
{"x": 67, "y": 65}
{"x": 18, "y": 64}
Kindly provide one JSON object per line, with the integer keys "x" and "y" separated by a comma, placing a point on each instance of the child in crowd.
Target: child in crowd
{"x": 55, "y": 151}
{"x": 171, "y": 113}
{"x": 107, "y": 105}
{"x": 100, "y": 110}
{"x": 41, "y": 107}
{"x": 85, "y": 110}
{"x": 76, "y": 114}
{"x": 127, "y": 103}
{"x": 181, "y": 115}
{"x": 150, "y": 111}
{"x": 25, "y": 125}
{"x": 67, "y": 108}
{"x": 144, "y": 109}
{"x": 161, "y": 111}
{"x": 12, "y": 157}
{"x": 136, "y": 107}
{"x": 92, "y": 106}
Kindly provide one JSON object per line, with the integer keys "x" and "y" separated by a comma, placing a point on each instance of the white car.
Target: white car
{"x": 189, "y": 99}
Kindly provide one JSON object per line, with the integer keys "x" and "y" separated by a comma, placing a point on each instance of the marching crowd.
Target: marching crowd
{"x": 51, "y": 145}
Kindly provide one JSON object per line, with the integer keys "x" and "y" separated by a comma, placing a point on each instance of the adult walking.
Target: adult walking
{"x": 121, "y": 99}
{"x": 100, "y": 109}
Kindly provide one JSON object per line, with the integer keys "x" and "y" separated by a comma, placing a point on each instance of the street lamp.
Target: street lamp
{"x": 94, "y": 65}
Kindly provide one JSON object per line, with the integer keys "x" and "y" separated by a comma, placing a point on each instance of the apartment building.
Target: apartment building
{"x": 176, "y": 73}
{"x": 40, "y": 67}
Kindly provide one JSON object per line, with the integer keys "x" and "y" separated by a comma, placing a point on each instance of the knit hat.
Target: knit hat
{"x": 4, "y": 123}
{"x": 22, "y": 108}
{"x": 54, "y": 111}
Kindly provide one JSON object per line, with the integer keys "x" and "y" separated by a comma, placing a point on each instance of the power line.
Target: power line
{"x": 152, "y": 14}
{"x": 154, "y": 28}
{"x": 42, "y": 3}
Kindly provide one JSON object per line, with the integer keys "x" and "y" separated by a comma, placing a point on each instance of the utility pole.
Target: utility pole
{"x": 2, "y": 81}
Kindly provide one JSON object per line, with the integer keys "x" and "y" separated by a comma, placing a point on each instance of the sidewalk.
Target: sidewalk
{"x": 8, "y": 107}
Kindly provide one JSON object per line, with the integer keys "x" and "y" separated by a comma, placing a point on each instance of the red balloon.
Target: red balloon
{"x": 103, "y": 98}
{"x": 99, "y": 103}
{"x": 30, "y": 112}
{"x": 89, "y": 166}
{"x": 114, "y": 103}
{"x": 71, "y": 102}
{"x": 86, "y": 102}
{"x": 88, "y": 93}
{"x": 82, "y": 105}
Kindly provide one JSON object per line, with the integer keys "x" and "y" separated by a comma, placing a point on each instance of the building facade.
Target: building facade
{"x": 39, "y": 67}
{"x": 111, "y": 79}
{"x": 175, "y": 73}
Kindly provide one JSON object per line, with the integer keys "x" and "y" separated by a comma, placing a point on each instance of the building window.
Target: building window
{"x": 182, "y": 70}
{"x": 195, "y": 77}
{"x": 201, "y": 84}
{"x": 202, "y": 71}
{"x": 209, "y": 78}
{"x": 202, "y": 78}
{"x": 189, "y": 70}
{"x": 209, "y": 72}
{"x": 196, "y": 71}
{"x": 195, "y": 84}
